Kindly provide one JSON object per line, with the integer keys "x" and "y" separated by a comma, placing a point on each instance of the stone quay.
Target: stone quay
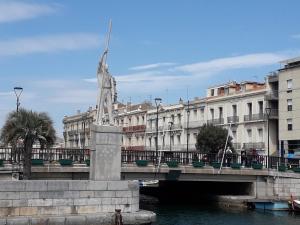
{"x": 72, "y": 202}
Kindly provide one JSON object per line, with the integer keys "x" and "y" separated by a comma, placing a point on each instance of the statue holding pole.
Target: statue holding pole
{"x": 107, "y": 94}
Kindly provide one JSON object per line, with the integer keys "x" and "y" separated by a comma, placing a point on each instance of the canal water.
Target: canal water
{"x": 204, "y": 214}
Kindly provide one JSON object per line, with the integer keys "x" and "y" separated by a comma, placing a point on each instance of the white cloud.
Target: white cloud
{"x": 13, "y": 11}
{"x": 152, "y": 66}
{"x": 51, "y": 43}
{"x": 230, "y": 63}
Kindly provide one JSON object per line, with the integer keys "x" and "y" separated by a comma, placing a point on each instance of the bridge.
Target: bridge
{"x": 254, "y": 175}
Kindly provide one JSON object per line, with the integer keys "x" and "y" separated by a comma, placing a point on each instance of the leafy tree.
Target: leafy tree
{"x": 212, "y": 139}
{"x": 28, "y": 127}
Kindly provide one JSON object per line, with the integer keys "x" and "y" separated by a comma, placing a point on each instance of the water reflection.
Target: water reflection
{"x": 208, "y": 214}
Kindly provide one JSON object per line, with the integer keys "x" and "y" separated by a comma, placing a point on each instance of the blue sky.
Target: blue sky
{"x": 158, "y": 48}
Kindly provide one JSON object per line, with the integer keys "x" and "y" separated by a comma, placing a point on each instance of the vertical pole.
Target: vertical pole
{"x": 18, "y": 103}
{"x": 187, "y": 133}
{"x": 268, "y": 143}
{"x": 156, "y": 140}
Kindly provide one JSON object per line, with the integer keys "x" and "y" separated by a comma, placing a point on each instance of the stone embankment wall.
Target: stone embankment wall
{"x": 277, "y": 188}
{"x": 50, "y": 197}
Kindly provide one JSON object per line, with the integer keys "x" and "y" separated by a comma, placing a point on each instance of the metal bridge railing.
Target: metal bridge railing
{"x": 49, "y": 154}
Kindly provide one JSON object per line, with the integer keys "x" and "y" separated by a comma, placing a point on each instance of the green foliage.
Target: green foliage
{"x": 27, "y": 127}
{"x": 212, "y": 139}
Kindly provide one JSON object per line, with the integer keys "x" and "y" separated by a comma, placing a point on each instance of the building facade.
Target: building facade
{"x": 131, "y": 117}
{"x": 288, "y": 78}
{"x": 259, "y": 116}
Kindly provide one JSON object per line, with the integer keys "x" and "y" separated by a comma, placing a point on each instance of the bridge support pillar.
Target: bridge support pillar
{"x": 105, "y": 152}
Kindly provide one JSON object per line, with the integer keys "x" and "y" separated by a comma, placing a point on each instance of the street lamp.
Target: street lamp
{"x": 187, "y": 131}
{"x": 18, "y": 91}
{"x": 84, "y": 118}
{"x": 170, "y": 127}
{"x": 157, "y": 103}
{"x": 268, "y": 112}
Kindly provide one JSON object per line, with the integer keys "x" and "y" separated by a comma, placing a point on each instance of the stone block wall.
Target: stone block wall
{"x": 280, "y": 188}
{"x": 67, "y": 197}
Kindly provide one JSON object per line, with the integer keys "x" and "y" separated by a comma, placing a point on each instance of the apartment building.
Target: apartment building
{"x": 240, "y": 107}
{"x": 132, "y": 117}
{"x": 246, "y": 109}
{"x": 288, "y": 79}
{"x": 77, "y": 128}
{"x": 170, "y": 127}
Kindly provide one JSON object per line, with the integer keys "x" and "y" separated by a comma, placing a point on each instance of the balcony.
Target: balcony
{"x": 232, "y": 119}
{"x": 254, "y": 117}
{"x": 72, "y": 132}
{"x": 216, "y": 121}
{"x": 271, "y": 95}
{"x": 133, "y": 129}
{"x": 134, "y": 148}
{"x": 254, "y": 145}
{"x": 274, "y": 114}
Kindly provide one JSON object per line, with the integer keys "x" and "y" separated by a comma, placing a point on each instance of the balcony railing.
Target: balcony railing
{"x": 271, "y": 95}
{"x": 232, "y": 119}
{"x": 132, "y": 129}
{"x": 254, "y": 145}
{"x": 134, "y": 148}
{"x": 254, "y": 117}
{"x": 216, "y": 121}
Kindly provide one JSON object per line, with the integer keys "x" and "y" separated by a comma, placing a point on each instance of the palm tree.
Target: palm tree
{"x": 28, "y": 127}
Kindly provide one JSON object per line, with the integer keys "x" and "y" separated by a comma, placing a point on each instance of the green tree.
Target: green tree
{"x": 28, "y": 127}
{"x": 212, "y": 139}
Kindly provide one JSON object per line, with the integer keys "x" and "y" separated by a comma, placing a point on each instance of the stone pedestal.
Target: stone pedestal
{"x": 105, "y": 153}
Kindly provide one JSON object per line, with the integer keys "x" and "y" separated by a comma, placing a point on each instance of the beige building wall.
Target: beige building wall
{"x": 289, "y": 73}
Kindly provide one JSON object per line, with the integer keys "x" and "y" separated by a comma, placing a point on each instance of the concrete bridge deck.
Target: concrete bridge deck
{"x": 150, "y": 172}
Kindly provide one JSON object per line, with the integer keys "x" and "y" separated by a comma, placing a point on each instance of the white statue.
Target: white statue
{"x": 107, "y": 94}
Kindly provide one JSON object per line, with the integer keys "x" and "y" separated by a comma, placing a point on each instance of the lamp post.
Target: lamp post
{"x": 187, "y": 131}
{"x": 170, "y": 126}
{"x": 268, "y": 112}
{"x": 18, "y": 91}
{"x": 84, "y": 118}
{"x": 157, "y": 103}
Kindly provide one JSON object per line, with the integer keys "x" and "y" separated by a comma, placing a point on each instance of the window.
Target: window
{"x": 137, "y": 120}
{"x": 212, "y": 92}
{"x": 289, "y": 85}
{"x": 249, "y": 108}
{"x": 234, "y": 136}
{"x": 178, "y": 139}
{"x": 195, "y": 113}
{"x": 202, "y": 112}
{"x": 260, "y": 107}
{"x": 179, "y": 118}
{"x": 234, "y": 110}
{"x": 289, "y": 124}
{"x": 249, "y": 133}
{"x": 260, "y": 134}
{"x": 220, "y": 112}
{"x": 164, "y": 119}
{"x": 212, "y": 113}
{"x": 289, "y": 105}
